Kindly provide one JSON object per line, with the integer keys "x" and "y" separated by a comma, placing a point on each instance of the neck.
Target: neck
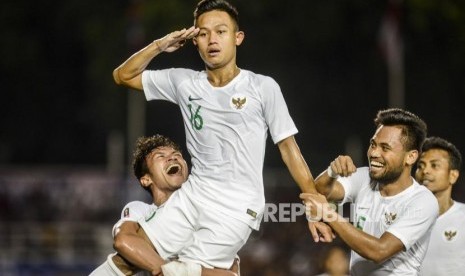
{"x": 219, "y": 77}
{"x": 444, "y": 200}
{"x": 160, "y": 196}
{"x": 397, "y": 186}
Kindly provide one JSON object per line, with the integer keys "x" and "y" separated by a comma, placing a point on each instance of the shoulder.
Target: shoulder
{"x": 137, "y": 204}
{"x": 361, "y": 175}
{"x": 423, "y": 192}
{"x": 258, "y": 79}
{"x": 460, "y": 207}
{"x": 423, "y": 198}
{"x": 177, "y": 74}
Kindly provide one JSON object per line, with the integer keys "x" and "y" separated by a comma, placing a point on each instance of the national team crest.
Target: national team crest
{"x": 449, "y": 235}
{"x": 389, "y": 218}
{"x": 126, "y": 213}
{"x": 238, "y": 101}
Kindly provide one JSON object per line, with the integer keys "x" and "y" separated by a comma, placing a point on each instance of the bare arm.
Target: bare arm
{"x": 375, "y": 249}
{"x": 301, "y": 174}
{"x": 233, "y": 271}
{"x": 326, "y": 182}
{"x": 130, "y": 72}
{"x": 136, "y": 251}
{"x": 296, "y": 165}
{"x": 132, "y": 244}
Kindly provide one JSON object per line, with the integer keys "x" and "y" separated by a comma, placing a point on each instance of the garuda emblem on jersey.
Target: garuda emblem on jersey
{"x": 389, "y": 218}
{"x": 449, "y": 234}
{"x": 238, "y": 101}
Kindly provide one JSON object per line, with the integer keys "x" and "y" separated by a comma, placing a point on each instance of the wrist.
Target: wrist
{"x": 157, "y": 44}
{"x": 331, "y": 173}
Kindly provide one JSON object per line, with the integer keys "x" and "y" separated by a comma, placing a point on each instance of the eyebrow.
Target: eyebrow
{"x": 382, "y": 144}
{"x": 216, "y": 26}
{"x": 161, "y": 151}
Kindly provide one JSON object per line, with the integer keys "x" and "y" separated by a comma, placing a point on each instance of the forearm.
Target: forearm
{"x": 124, "y": 266}
{"x": 217, "y": 272}
{"x": 136, "y": 64}
{"x": 233, "y": 271}
{"x": 325, "y": 185}
{"x": 296, "y": 165}
{"x": 364, "y": 244}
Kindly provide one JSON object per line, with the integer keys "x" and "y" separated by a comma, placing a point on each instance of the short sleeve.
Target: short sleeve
{"x": 133, "y": 211}
{"x": 353, "y": 184}
{"x": 276, "y": 113}
{"x": 164, "y": 84}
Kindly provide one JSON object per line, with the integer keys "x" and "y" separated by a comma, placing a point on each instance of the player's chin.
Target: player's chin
{"x": 177, "y": 181}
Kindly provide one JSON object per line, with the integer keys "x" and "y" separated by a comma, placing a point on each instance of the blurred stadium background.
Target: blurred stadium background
{"x": 67, "y": 130}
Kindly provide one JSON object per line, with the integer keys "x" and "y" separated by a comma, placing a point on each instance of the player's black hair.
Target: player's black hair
{"x": 145, "y": 146}
{"x": 220, "y": 5}
{"x": 413, "y": 128}
{"x": 455, "y": 158}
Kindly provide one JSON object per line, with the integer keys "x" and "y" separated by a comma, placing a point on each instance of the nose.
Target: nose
{"x": 172, "y": 157}
{"x": 373, "y": 152}
{"x": 425, "y": 169}
{"x": 212, "y": 38}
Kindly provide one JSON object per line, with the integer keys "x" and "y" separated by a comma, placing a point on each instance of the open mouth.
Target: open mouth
{"x": 173, "y": 169}
{"x": 213, "y": 52}
{"x": 376, "y": 164}
{"x": 425, "y": 182}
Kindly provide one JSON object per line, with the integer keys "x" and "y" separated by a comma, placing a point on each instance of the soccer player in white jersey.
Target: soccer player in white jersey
{"x": 394, "y": 214}
{"x": 161, "y": 169}
{"x": 438, "y": 170}
{"x": 227, "y": 112}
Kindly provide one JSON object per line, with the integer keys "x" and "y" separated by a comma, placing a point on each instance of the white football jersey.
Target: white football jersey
{"x": 446, "y": 254}
{"x": 409, "y": 216}
{"x": 226, "y": 130}
{"x": 133, "y": 211}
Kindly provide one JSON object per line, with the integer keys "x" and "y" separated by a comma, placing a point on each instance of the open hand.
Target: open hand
{"x": 175, "y": 40}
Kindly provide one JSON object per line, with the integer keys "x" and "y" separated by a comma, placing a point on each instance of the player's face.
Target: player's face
{"x": 217, "y": 39}
{"x": 167, "y": 168}
{"x": 433, "y": 170}
{"x": 386, "y": 154}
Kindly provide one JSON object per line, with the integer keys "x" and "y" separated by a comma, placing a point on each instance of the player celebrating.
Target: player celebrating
{"x": 160, "y": 168}
{"x": 394, "y": 214}
{"x": 227, "y": 112}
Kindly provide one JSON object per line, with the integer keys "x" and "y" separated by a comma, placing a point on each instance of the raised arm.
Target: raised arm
{"x": 129, "y": 73}
{"x": 326, "y": 183}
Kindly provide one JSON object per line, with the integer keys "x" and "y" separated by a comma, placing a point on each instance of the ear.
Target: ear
{"x": 412, "y": 157}
{"x": 239, "y": 37}
{"x": 194, "y": 41}
{"x": 453, "y": 176}
{"x": 145, "y": 180}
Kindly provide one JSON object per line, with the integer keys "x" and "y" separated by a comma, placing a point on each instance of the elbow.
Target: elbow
{"x": 119, "y": 243}
{"x": 322, "y": 188}
{"x": 378, "y": 256}
{"x": 378, "y": 260}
